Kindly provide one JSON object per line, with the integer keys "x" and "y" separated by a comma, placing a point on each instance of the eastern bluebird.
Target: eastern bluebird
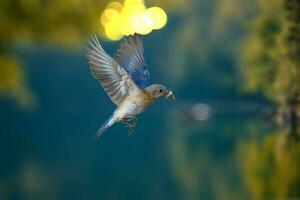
{"x": 125, "y": 78}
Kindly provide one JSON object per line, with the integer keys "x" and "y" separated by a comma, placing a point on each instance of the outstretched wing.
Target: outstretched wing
{"x": 114, "y": 79}
{"x": 130, "y": 56}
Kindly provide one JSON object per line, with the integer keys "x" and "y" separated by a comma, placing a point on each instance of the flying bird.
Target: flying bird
{"x": 126, "y": 80}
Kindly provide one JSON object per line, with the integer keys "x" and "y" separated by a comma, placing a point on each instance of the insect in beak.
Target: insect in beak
{"x": 170, "y": 96}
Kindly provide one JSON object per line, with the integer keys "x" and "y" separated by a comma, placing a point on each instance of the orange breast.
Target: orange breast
{"x": 144, "y": 98}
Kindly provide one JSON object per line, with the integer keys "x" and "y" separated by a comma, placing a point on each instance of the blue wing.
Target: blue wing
{"x": 130, "y": 56}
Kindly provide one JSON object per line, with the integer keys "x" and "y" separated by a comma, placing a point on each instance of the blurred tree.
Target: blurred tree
{"x": 271, "y": 61}
{"x": 12, "y": 81}
{"x": 57, "y": 22}
{"x": 203, "y": 41}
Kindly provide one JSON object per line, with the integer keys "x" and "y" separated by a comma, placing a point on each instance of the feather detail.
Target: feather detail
{"x": 116, "y": 82}
{"x": 130, "y": 56}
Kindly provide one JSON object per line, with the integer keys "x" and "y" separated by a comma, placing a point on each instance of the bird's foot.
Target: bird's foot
{"x": 127, "y": 121}
{"x": 130, "y": 124}
{"x": 131, "y": 130}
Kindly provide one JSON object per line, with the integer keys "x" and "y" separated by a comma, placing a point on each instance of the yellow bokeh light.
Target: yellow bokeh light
{"x": 111, "y": 14}
{"x": 103, "y": 19}
{"x": 127, "y": 2}
{"x": 142, "y": 24}
{"x": 126, "y": 27}
{"x": 131, "y": 17}
{"x": 115, "y": 5}
{"x": 112, "y": 31}
{"x": 133, "y": 10}
{"x": 159, "y": 17}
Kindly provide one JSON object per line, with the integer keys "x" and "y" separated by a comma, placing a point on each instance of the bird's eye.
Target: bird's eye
{"x": 160, "y": 91}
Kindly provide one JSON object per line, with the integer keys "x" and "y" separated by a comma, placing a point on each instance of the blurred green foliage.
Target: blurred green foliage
{"x": 12, "y": 81}
{"x": 272, "y": 166}
{"x": 57, "y": 22}
{"x": 206, "y": 29}
{"x": 63, "y": 22}
{"x": 270, "y": 59}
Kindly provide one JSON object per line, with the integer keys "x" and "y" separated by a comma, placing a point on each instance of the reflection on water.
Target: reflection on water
{"x": 271, "y": 166}
{"x": 30, "y": 181}
{"x": 212, "y": 160}
{"x": 34, "y": 182}
{"x": 227, "y": 156}
{"x": 202, "y": 154}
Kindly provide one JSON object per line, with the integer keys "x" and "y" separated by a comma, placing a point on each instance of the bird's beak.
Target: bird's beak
{"x": 170, "y": 96}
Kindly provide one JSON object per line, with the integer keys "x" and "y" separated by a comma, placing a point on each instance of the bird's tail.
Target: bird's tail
{"x": 108, "y": 123}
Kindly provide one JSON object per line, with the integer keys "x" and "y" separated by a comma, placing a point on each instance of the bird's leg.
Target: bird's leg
{"x": 131, "y": 128}
{"x": 126, "y": 121}
{"x": 130, "y": 123}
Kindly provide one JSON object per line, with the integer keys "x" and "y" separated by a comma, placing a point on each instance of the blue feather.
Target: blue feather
{"x": 130, "y": 56}
{"x": 103, "y": 128}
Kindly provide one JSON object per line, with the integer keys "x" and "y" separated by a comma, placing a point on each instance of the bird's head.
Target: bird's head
{"x": 157, "y": 90}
